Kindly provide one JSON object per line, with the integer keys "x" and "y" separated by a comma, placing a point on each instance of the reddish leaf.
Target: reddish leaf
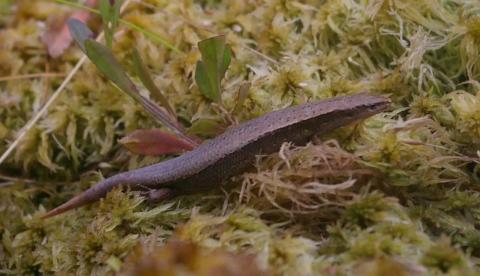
{"x": 154, "y": 142}
{"x": 57, "y": 38}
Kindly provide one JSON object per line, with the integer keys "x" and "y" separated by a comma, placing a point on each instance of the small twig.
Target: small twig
{"x": 6, "y": 184}
{"x": 35, "y": 188}
{"x": 228, "y": 116}
{"x": 10, "y": 181}
{"x": 46, "y": 83}
{"x": 31, "y": 76}
{"x": 50, "y": 101}
{"x": 16, "y": 179}
{"x": 260, "y": 54}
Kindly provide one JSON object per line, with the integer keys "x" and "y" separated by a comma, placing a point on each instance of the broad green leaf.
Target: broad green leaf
{"x": 227, "y": 58}
{"x": 80, "y": 32}
{"x": 216, "y": 57}
{"x": 142, "y": 73}
{"x": 206, "y": 86}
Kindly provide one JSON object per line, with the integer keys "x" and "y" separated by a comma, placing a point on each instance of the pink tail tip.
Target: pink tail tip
{"x": 54, "y": 212}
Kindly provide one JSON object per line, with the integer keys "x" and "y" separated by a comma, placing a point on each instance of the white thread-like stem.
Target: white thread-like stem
{"x": 43, "y": 110}
{"x": 50, "y": 101}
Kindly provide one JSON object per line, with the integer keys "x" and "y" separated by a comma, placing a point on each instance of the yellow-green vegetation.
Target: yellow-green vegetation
{"x": 398, "y": 192}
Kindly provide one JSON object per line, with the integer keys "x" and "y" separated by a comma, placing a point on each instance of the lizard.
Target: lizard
{"x": 234, "y": 151}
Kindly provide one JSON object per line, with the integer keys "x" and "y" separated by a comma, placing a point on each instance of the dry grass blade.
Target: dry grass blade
{"x": 42, "y": 111}
{"x": 32, "y": 76}
{"x": 161, "y": 116}
{"x": 142, "y": 72}
{"x": 47, "y": 105}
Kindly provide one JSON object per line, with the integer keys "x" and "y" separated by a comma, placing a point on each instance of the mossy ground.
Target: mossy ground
{"x": 398, "y": 192}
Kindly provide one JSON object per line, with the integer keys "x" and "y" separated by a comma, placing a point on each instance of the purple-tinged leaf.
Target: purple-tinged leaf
{"x": 154, "y": 142}
{"x": 80, "y": 32}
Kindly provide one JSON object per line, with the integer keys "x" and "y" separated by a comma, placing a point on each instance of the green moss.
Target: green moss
{"x": 379, "y": 194}
{"x": 445, "y": 258}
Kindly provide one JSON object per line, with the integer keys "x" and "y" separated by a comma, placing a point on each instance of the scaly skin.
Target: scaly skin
{"x": 234, "y": 151}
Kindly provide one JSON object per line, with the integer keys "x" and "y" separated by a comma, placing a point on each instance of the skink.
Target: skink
{"x": 234, "y": 151}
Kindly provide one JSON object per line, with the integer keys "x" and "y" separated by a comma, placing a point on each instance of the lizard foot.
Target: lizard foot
{"x": 158, "y": 195}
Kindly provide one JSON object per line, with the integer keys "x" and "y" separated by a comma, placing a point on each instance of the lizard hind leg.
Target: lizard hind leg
{"x": 157, "y": 195}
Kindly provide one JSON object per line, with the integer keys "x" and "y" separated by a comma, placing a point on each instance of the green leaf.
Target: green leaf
{"x": 110, "y": 12}
{"x": 116, "y": 12}
{"x": 80, "y": 32}
{"x": 227, "y": 58}
{"x": 142, "y": 73}
{"x": 216, "y": 57}
{"x": 106, "y": 62}
{"x": 202, "y": 79}
{"x": 104, "y": 8}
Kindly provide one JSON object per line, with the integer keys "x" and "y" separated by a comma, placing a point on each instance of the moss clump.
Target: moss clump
{"x": 444, "y": 258}
{"x": 378, "y": 195}
{"x": 177, "y": 257}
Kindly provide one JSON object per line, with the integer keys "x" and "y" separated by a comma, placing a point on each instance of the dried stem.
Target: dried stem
{"x": 31, "y": 76}
{"x": 50, "y": 101}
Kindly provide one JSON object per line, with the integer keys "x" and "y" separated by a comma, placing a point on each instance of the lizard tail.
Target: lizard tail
{"x": 89, "y": 196}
